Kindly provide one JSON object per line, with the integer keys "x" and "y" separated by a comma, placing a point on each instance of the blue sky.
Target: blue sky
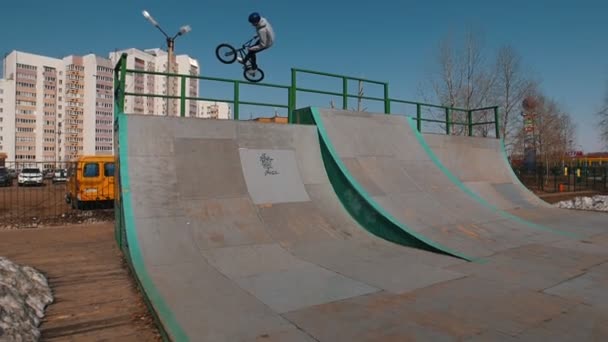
{"x": 562, "y": 42}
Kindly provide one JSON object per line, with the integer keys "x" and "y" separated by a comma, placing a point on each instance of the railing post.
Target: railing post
{"x": 123, "y": 82}
{"x": 387, "y": 101}
{"x": 236, "y": 100}
{"x": 419, "y": 117}
{"x": 182, "y": 99}
{"x": 344, "y": 93}
{"x": 470, "y": 122}
{"x": 496, "y": 125}
{"x": 290, "y": 118}
{"x": 447, "y": 121}
{"x": 291, "y": 101}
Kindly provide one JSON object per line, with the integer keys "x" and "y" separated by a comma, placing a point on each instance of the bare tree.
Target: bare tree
{"x": 463, "y": 80}
{"x": 554, "y": 131}
{"x": 603, "y": 120}
{"x": 360, "y": 94}
{"x": 511, "y": 87}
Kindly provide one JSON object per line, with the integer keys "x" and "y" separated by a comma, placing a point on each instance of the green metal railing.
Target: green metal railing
{"x": 121, "y": 70}
{"x": 387, "y": 101}
{"x": 344, "y": 93}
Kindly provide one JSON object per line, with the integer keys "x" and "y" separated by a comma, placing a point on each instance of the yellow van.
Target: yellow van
{"x": 90, "y": 180}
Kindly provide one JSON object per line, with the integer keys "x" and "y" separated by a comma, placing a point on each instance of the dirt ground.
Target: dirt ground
{"x": 95, "y": 297}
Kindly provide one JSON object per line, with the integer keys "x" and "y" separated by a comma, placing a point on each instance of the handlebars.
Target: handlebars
{"x": 249, "y": 42}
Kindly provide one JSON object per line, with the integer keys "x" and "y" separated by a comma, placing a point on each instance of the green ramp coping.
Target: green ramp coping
{"x": 158, "y": 307}
{"x": 360, "y": 205}
{"x": 474, "y": 195}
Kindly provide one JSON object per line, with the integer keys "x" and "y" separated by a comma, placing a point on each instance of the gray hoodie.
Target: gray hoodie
{"x": 265, "y": 34}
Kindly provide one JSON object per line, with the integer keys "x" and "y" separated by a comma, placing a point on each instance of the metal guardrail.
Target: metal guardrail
{"x": 121, "y": 70}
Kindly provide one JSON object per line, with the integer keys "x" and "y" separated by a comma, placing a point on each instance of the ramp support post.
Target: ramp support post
{"x": 447, "y": 121}
{"x": 292, "y": 97}
{"x": 344, "y": 93}
{"x": 236, "y": 100}
{"x": 496, "y": 125}
{"x": 470, "y": 120}
{"x": 419, "y": 117}
{"x": 182, "y": 99}
{"x": 387, "y": 101}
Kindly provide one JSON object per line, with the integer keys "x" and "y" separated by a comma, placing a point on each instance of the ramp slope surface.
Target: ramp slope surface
{"x": 383, "y": 154}
{"x": 234, "y": 229}
{"x": 481, "y": 165}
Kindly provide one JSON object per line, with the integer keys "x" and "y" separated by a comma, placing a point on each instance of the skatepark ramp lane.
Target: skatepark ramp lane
{"x": 383, "y": 158}
{"x": 481, "y": 165}
{"x": 233, "y": 228}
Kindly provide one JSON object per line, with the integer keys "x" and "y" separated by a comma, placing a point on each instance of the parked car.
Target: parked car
{"x": 60, "y": 176}
{"x": 30, "y": 176}
{"x": 5, "y": 177}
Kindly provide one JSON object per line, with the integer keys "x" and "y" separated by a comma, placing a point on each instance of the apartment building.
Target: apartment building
{"x": 55, "y": 109}
{"x": 88, "y": 126}
{"x": 33, "y": 106}
{"x": 215, "y": 110}
{"x": 156, "y": 60}
{"x": 7, "y": 121}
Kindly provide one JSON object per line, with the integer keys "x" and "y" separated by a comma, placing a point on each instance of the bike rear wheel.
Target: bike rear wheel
{"x": 225, "y": 53}
{"x": 253, "y": 76}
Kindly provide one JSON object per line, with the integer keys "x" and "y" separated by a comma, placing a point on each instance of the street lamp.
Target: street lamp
{"x": 170, "y": 49}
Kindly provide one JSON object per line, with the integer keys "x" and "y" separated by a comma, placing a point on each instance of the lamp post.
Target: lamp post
{"x": 170, "y": 52}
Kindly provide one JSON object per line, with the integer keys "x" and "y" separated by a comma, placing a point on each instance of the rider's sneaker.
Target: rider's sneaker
{"x": 251, "y": 72}
{"x": 239, "y": 59}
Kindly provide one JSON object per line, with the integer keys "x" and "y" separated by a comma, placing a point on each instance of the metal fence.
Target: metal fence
{"x": 34, "y": 194}
{"x": 451, "y": 120}
{"x": 565, "y": 178}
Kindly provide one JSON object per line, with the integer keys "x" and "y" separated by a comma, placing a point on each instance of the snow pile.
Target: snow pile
{"x": 598, "y": 202}
{"x": 24, "y": 294}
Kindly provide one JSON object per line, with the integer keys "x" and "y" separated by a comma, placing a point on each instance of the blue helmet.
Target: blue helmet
{"x": 254, "y": 18}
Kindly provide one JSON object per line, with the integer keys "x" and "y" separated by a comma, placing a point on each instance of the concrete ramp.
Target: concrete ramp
{"x": 233, "y": 229}
{"x": 481, "y": 165}
{"x": 388, "y": 164}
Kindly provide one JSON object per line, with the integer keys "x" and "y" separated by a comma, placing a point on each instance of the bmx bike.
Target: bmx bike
{"x": 227, "y": 54}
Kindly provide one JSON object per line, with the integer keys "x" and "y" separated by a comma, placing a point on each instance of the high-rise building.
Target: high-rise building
{"x": 156, "y": 60}
{"x": 56, "y": 109}
{"x": 215, "y": 110}
{"x": 33, "y": 108}
{"x": 7, "y": 117}
{"x": 88, "y": 124}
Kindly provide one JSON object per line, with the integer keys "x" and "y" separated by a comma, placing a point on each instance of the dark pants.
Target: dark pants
{"x": 251, "y": 56}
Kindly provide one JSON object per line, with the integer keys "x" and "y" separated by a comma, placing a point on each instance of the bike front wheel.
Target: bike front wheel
{"x": 225, "y": 53}
{"x": 253, "y": 75}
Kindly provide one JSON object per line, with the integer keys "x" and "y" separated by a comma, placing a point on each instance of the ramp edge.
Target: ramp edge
{"x": 516, "y": 180}
{"x": 363, "y": 208}
{"x": 471, "y": 193}
{"x": 164, "y": 317}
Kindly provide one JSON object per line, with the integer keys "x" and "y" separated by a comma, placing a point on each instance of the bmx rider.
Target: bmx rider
{"x": 265, "y": 35}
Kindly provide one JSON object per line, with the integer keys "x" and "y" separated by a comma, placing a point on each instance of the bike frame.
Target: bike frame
{"x": 247, "y": 44}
